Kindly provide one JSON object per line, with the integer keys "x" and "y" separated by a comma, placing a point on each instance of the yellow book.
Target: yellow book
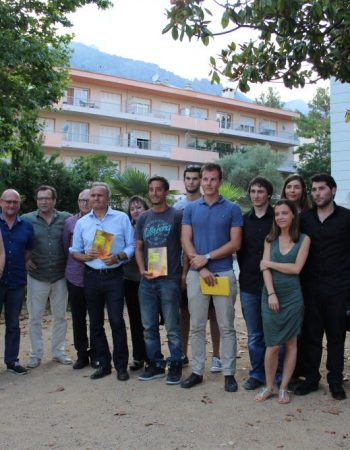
{"x": 222, "y": 287}
{"x": 157, "y": 261}
{"x": 103, "y": 243}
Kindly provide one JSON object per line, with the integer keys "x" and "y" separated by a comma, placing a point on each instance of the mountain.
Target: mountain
{"x": 90, "y": 58}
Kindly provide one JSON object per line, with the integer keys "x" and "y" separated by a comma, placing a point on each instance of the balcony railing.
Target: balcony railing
{"x": 131, "y": 108}
{"x": 258, "y": 131}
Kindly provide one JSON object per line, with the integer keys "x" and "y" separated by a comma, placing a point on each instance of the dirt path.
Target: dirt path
{"x": 55, "y": 407}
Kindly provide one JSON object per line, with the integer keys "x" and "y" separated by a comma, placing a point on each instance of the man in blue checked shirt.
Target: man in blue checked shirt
{"x": 103, "y": 277}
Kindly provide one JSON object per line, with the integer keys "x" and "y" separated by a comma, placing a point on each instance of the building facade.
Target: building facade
{"x": 156, "y": 128}
{"x": 340, "y": 140}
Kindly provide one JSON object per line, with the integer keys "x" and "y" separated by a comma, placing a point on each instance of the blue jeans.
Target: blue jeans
{"x": 107, "y": 289}
{"x": 161, "y": 294}
{"x": 12, "y": 299}
{"x": 251, "y": 309}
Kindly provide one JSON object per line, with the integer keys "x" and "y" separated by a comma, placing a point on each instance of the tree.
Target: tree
{"x": 243, "y": 165}
{"x": 270, "y": 98}
{"x": 294, "y": 40}
{"x": 314, "y": 155}
{"x": 33, "y": 64}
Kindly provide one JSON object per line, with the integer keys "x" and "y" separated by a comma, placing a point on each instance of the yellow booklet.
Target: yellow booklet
{"x": 158, "y": 261}
{"x": 102, "y": 243}
{"x": 222, "y": 287}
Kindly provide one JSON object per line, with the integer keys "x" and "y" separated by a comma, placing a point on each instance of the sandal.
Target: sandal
{"x": 283, "y": 396}
{"x": 263, "y": 395}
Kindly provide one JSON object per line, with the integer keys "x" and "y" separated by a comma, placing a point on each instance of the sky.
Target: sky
{"x": 133, "y": 29}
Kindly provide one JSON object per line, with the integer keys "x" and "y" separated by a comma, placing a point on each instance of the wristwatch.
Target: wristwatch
{"x": 208, "y": 256}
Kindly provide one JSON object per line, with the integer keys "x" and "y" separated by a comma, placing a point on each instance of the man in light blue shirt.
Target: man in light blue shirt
{"x": 103, "y": 277}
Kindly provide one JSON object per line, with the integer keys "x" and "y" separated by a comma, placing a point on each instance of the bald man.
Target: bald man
{"x": 18, "y": 237}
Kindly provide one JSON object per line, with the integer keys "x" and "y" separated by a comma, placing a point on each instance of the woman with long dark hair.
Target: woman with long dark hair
{"x": 294, "y": 189}
{"x": 285, "y": 253}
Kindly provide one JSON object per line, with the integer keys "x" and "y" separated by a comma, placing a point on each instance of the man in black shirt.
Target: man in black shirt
{"x": 257, "y": 225}
{"x": 326, "y": 286}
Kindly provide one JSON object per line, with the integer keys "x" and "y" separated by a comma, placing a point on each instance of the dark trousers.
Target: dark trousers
{"x": 77, "y": 301}
{"x": 106, "y": 289}
{"x": 323, "y": 314}
{"x": 12, "y": 299}
{"x": 136, "y": 328}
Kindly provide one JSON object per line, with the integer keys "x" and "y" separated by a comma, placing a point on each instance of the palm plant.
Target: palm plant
{"x": 231, "y": 192}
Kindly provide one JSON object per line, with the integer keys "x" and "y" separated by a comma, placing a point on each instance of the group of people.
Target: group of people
{"x": 174, "y": 265}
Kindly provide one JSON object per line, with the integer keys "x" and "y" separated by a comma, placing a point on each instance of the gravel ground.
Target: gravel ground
{"x": 55, "y": 407}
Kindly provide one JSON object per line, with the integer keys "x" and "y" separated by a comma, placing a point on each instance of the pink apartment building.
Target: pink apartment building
{"x": 157, "y": 128}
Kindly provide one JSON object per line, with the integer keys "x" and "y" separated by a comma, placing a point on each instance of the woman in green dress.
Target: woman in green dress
{"x": 285, "y": 253}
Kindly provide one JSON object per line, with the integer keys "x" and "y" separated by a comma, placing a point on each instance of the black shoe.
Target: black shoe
{"x": 137, "y": 365}
{"x": 17, "y": 369}
{"x": 230, "y": 383}
{"x": 122, "y": 375}
{"x": 152, "y": 373}
{"x": 80, "y": 363}
{"x": 337, "y": 391}
{"x": 252, "y": 383}
{"x": 191, "y": 381}
{"x": 306, "y": 388}
{"x": 174, "y": 373}
{"x": 100, "y": 373}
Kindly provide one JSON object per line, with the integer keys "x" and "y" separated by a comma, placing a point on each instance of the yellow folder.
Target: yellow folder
{"x": 222, "y": 287}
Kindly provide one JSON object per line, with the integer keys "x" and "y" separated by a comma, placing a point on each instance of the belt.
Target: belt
{"x": 103, "y": 271}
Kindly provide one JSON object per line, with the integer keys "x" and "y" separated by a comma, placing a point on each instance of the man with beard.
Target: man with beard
{"x": 158, "y": 239}
{"x": 326, "y": 286}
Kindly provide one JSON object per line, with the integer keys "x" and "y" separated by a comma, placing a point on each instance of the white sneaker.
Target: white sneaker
{"x": 63, "y": 359}
{"x": 33, "y": 362}
{"x": 216, "y": 365}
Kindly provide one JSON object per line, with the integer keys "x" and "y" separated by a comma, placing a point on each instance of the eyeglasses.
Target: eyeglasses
{"x": 9, "y": 202}
{"x": 83, "y": 200}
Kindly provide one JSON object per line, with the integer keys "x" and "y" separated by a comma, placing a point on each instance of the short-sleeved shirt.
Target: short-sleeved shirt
{"x": 48, "y": 251}
{"x": 211, "y": 228}
{"x": 114, "y": 222}
{"x": 162, "y": 229}
{"x": 17, "y": 240}
{"x": 255, "y": 230}
{"x": 328, "y": 262}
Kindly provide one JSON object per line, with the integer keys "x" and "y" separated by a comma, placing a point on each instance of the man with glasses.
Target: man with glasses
{"x": 192, "y": 184}
{"x": 103, "y": 276}
{"x": 75, "y": 282}
{"x": 46, "y": 277}
{"x": 17, "y": 235}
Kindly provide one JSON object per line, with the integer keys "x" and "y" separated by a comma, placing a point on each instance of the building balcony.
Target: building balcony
{"x": 237, "y": 129}
{"x": 126, "y": 146}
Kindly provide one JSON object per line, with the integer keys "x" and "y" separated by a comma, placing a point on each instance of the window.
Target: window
{"x": 171, "y": 108}
{"x": 199, "y": 113}
{"x": 169, "y": 172}
{"x": 268, "y": 127}
{"x": 48, "y": 125}
{"x": 109, "y": 135}
{"x": 140, "y": 106}
{"x": 224, "y": 119}
{"x": 140, "y": 139}
{"x": 77, "y": 96}
{"x": 76, "y": 131}
{"x": 111, "y": 101}
{"x": 247, "y": 124}
{"x": 168, "y": 140}
{"x": 141, "y": 167}
{"x": 197, "y": 143}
